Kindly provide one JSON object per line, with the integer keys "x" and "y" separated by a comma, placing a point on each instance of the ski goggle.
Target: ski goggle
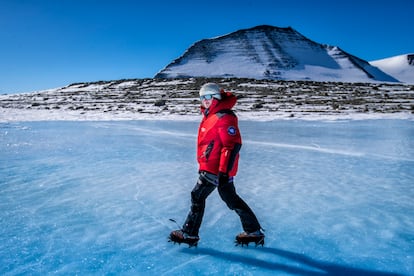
{"x": 207, "y": 97}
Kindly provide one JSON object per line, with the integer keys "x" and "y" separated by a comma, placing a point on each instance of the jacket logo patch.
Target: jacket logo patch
{"x": 232, "y": 130}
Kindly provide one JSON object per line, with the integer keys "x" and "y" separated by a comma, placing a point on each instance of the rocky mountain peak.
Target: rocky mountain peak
{"x": 269, "y": 52}
{"x": 410, "y": 59}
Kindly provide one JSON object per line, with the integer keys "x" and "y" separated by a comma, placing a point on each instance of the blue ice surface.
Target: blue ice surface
{"x": 335, "y": 198}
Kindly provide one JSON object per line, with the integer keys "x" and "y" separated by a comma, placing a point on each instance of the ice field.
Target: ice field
{"x": 335, "y": 198}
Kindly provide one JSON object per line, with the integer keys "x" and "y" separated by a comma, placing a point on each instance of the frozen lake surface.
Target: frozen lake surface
{"x": 96, "y": 198}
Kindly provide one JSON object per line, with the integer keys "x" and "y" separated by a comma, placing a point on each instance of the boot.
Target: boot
{"x": 179, "y": 236}
{"x": 245, "y": 238}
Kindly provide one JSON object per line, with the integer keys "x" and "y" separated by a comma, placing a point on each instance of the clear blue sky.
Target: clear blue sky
{"x": 52, "y": 43}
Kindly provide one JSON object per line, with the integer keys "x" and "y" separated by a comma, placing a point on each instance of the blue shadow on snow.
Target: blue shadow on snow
{"x": 315, "y": 267}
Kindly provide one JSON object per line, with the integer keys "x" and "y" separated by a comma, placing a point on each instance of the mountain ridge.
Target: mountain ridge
{"x": 269, "y": 52}
{"x": 175, "y": 99}
{"x": 401, "y": 67}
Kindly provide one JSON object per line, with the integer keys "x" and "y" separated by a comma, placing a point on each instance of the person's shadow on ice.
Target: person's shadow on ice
{"x": 307, "y": 265}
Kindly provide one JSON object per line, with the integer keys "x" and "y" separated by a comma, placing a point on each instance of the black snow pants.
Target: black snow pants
{"x": 228, "y": 194}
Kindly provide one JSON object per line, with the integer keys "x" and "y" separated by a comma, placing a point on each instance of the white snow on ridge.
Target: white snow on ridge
{"x": 400, "y": 67}
{"x": 266, "y": 52}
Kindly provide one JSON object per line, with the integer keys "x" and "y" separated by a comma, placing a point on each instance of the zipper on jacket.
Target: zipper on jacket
{"x": 208, "y": 149}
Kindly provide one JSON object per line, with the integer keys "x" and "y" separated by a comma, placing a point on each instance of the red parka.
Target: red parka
{"x": 219, "y": 139}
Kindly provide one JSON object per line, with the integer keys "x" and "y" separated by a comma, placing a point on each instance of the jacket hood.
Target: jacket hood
{"x": 228, "y": 101}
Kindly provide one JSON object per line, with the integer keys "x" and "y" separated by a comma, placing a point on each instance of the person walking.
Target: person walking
{"x": 218, "y": 145}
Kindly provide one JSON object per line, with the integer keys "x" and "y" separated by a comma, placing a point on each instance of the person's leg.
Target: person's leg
{"x": 234, "y": 202}
{"x": 198, "y": 201}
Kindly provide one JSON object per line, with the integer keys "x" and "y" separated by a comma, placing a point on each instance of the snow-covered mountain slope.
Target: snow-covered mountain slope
{"x": 267, "y": 52}
{"x": 400, "y": 67}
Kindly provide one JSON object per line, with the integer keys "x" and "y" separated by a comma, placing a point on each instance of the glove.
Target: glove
{"x": 223, "y": 178}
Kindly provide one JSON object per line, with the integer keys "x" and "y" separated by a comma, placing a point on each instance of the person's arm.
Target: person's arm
{"x": 231, "y": 143}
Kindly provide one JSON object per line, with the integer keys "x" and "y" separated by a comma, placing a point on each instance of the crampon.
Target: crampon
{"x": 245, "y": 238}
{"x": 178, "y": 236}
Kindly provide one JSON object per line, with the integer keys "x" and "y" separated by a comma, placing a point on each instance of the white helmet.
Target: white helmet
{"x": 210, "y": 89}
